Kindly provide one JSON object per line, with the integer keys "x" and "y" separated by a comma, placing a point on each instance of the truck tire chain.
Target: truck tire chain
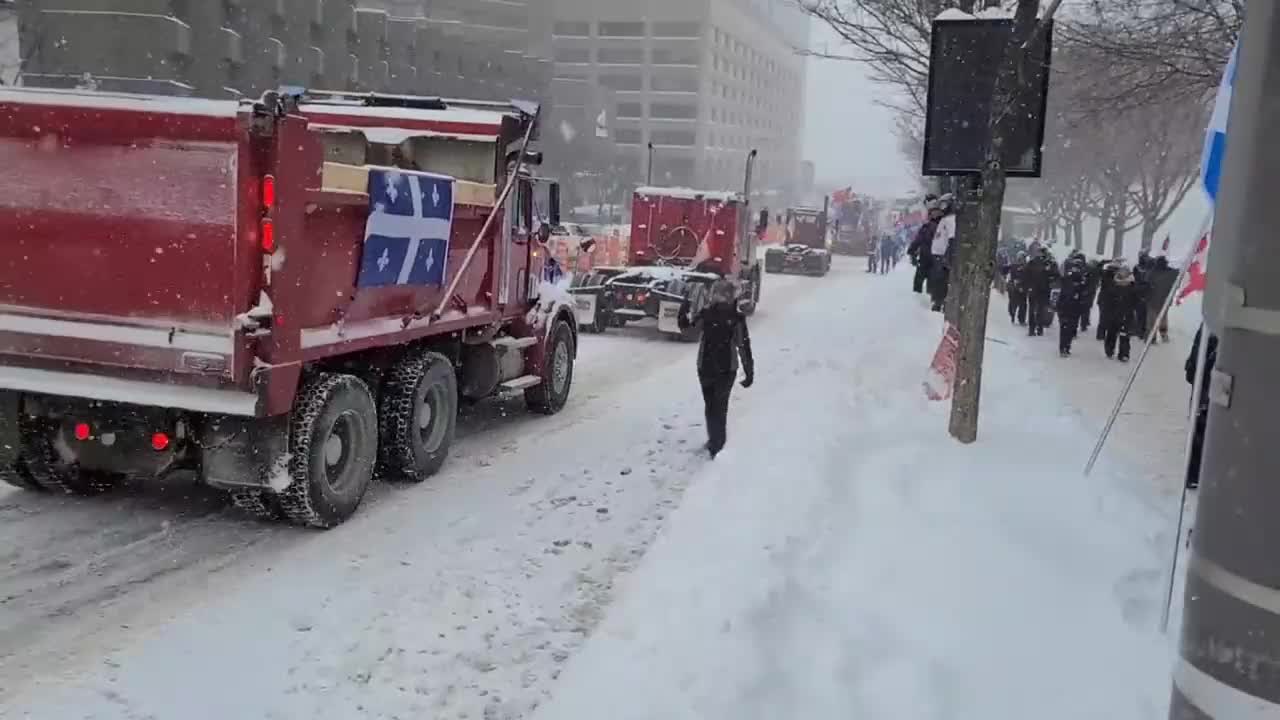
{"x": 42, "y": 463}
{"x": 396, "y": 417}
{"x": 313, "y": 397}
{"x": 255, "y": 503}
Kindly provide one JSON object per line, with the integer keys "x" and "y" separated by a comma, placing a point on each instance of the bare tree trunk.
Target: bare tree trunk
{"x": 1150, "y": 226}
{"x": 1104, "y": 227}
{"x": 1077, "y": 231}
{"x": 1117, "y": 223}
{"x": 977, "y": 252}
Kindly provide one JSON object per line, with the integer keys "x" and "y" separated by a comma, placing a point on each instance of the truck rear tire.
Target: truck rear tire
{"x": 418, "y": 418}
{"x": 333, "y": 441}
{"x": 44, "y": 469}
{"x": 16, "y": 474}
{"x": 550, "y": 396}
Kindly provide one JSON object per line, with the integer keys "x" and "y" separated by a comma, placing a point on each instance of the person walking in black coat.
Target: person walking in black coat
{"x": 919, "y": 249}
{"x": 1041, "y": 274}
{"x": 1106, "y": 279}
{"x": 1094, "y": 269}
{"x": 1142, "y": 282}
{"x": 724, "y": 339}
{"x": 1120, "y": 303}
{"x": 1071, "y": 300}
{"x": 1161, "y": 278}
{"x": 1202, "y": 408}
{"x": 1016, "y": 287}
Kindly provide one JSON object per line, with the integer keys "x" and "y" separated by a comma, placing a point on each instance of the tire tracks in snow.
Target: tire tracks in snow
{"x": 460, "y": 597}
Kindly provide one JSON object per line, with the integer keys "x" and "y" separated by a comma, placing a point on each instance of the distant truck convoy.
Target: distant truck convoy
{"x": 682, "y": 240}
{"x": 805, "y": 248}
{"x": 854, "y": 225}
{"x": 281, "y": 296}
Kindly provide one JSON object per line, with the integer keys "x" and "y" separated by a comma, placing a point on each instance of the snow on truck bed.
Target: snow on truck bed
{"x": 689, "y": 193}
{"x": 94, "y": 100}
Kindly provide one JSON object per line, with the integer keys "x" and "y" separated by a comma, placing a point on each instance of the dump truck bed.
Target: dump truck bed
{"x": 121, "y": 248}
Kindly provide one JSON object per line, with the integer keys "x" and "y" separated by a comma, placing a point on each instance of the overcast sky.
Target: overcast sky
{"x": 847, "y": 135}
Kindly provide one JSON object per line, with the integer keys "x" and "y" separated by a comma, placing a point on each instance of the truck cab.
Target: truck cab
{"x": 682, "y": 240}
{"x": 804, "y": 249}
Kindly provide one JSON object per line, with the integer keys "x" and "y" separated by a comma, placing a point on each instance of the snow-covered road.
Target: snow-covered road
{"x": 460, "y": 598}
{"x": 842, "y": 559}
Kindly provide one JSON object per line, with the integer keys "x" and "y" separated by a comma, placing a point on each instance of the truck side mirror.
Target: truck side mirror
{"x": 764, "y": 220}
{"x": 553, "y": 193}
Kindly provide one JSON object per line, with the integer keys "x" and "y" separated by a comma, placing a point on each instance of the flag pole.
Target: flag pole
{"x": 1146, "y": 348}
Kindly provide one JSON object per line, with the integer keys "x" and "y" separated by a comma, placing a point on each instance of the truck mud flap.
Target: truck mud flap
{"x": 238, "y": 453}
{"x": 669, "y": 317}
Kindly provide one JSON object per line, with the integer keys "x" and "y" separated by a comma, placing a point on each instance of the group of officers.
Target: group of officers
{"x": 1126, "y": 297}
{"x": 1038, "y": 287}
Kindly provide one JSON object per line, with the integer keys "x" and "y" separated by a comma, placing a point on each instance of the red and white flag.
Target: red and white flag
{"x": 940, "y": 381}
{"x": 1196, "y": 277}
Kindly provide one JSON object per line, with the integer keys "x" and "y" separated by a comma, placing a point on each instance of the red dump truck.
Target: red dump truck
{"x": 282, "y": 296}
{"x": 682, "y": 240}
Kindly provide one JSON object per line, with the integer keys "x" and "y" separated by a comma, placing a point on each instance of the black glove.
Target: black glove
{"x": 748, "y": 380}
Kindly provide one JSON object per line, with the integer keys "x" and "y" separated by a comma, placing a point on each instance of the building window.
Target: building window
{"x": 677, "y": 29}
{"x": 630, "y": 110}
{"x": 674, "y": 83}
{"x": 622, "y": 29}
{"x": 572, "y": 29}
{"x": 676, "y": 56}
{"x": 623, "y": 83}
{"x": 626, "y": 136}
{"x": 673, "y": 111}
{"x": 573, "y": 55}
{"x": 620, "y": 56}
{"x": 680, "y": 138}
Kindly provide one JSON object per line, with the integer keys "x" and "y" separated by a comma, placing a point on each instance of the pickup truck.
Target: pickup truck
{"x": 283, "y": 296}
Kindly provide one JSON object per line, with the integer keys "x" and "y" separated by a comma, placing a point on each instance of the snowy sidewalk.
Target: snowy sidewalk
{"x": 846, "y": 559}
{"x": 1149, "y": 435}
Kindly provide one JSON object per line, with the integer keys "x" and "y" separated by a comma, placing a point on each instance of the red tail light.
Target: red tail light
{"x": 268, "y": 236}
{"x": 83, "y": 431}
{"x": 159, "y": 441}
{"x": 269, "y": 192}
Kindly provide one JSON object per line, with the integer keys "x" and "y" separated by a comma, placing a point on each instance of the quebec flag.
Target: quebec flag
{"x": 1215, "y": 139}
{"x": 406, "y": 241}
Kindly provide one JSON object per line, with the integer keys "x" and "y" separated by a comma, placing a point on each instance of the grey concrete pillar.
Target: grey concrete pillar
{"x": 131, "y": 45}
{"x": 260, "y": 26}
{"x": 338, "y": 42}
{"x": 402, "y": 52}
{"x": 371, "y": 48}
{"x": 1229, "y": 664}
{"x": 427, "y": 46}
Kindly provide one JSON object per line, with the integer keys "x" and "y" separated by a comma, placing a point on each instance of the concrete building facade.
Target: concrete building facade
{"x": 483, "y": 49}
{"x": 704, "y": 81}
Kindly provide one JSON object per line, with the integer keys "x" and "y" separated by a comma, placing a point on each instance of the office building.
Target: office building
{"x": 704, "y": 81}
